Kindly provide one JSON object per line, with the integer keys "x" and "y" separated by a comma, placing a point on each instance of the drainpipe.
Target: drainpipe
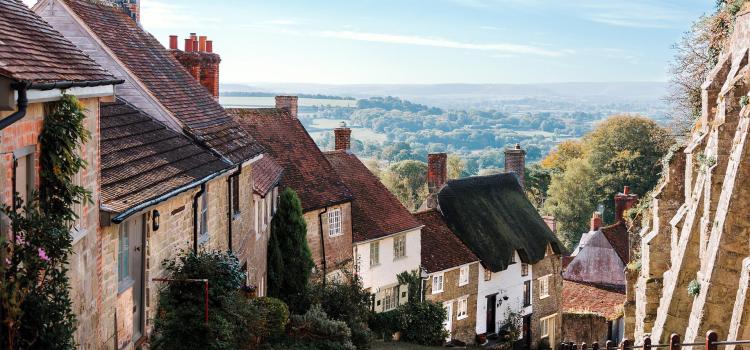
{"x": 22, "y": 102}
{"x": 14, "y": 182}
{"x": 322, "y": 242}
{"x": 230, "y": 202}
{"x": 195, "y": 216}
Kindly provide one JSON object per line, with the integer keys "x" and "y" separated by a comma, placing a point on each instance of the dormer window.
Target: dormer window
{"x": 334, "y": 223}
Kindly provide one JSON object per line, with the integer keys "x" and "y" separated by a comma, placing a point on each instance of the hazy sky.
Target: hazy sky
{"x": 432, "y": 41}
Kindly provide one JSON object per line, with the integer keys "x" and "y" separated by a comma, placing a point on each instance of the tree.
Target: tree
{"x": 557, "y": 160}
{"x": 572, "y": 200}
{"x": 456, "y": 166}
{"x": 407, "y": 180}
{"x": 537, "y": 184}
{"x": 289, "y": 274}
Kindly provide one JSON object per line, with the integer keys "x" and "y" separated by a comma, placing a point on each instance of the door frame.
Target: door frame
{"x": 448, "y": 306}
{"x": 491, "y": 314}
{"x": 139, "y": 280}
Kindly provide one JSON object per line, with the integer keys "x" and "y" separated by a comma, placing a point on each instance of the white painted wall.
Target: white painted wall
{"x": 384, "y": 274}
{"x": 508, "y": 282}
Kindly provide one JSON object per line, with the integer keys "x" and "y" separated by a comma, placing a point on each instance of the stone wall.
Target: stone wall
{"x": 551, "y": 266}
{"x": 338, "y": 250}
{"x": 463, "y": 329}
{"x": 588, "y": 328}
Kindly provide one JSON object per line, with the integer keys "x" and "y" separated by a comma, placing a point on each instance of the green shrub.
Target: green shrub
{"x": 694, "y": 288}
{"x": 384, "y": 324}
{"x": 422, "y": 323}
{"x": 315, "y": 331}
{"x": 274, "y": 315}
{"x": 345, "y": 300}
{"x": 179, "y": 322}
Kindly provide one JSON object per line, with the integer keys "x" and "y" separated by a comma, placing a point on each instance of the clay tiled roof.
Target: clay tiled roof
{"x": 31, "y": 50}
{"x": 306, "y": 169}
{"x": 142, "y": 159}
{"x": 441, "y": 249}
{"x": 266, "y": 174}
{"x": 376, "y": 212}
{"x": 167, "y": 80}
{"x": 588, "y": 298}
{"x": 617, "y": 235}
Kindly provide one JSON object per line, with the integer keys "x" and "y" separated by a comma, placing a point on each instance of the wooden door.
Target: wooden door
{"x": 491, "y": 301}
{"x": 449, "y": 320}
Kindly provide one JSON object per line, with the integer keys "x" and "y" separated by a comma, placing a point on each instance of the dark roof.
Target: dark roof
{"x": 306, "y": 169}
{"x": 376, "y": 212}
{"x": 31, "y": 50}
{"x": 617, "y": 235}
{"x": 266, "y": 174}
{"x": 441, "y": 249}
{"x": 142, "y": 159}
{"x": 167, "y": 80}
{"x": 589, "y": 298}
{"x": 493, "y": 217}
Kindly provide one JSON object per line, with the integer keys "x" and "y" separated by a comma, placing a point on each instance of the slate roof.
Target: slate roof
{"x": 493, "y": 217}
{"x": 167, "y": 80}
{"x": 266, "y": 174}
{"x": 306, "y": 169}
{"x": 441, "y": 249}
{"x": 376, "y": 212}
{"x": 617, "y": 235}
{"x": 142, "y": 159}
{"x": 589, "y": 298}
{"x": 31, "y": 50}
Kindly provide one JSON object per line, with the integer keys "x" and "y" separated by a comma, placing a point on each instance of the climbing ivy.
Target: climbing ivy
{"x": 35, "y": 307}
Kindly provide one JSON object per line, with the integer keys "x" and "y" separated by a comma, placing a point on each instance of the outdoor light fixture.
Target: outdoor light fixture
{"x": 155, "y": 220}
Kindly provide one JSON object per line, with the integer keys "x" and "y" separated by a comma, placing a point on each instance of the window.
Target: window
{"x": 463, "y": 306}
{"x": 257, "y": 215}
{"x": 513, "y": 258}
{"x": 437, "y": 283}
{"x": 123, "y": 255}
{"x": 463, "y": 276}
{"x": 204, "y": 217}
{"x": 264, "y": 212}
{"x": 399, "y": 247}
{"x": 25, "y": 172}
{"x": 487, "y": 275}
{"x": 374, "y": 253}
{"x": 234, "y": 184}
{"x": 334, "y": 223}
{"x": 390, "y": 298}
{"x": 546, "y": 325}
{"x": 527, "y": 293}
{"x": 524, "y": 269}
{"x": 78, "y": 207}
{"x": 544, "y": 287}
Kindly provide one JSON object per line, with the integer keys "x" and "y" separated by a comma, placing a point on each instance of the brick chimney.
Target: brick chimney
{"x": 288, "y": 103}
{"x": 437, "y": 171}
{"x": 131, "y": 7}
{"x": 596, "y": 221}
{"x": 515, "y": 162}
{"x": 199, "y": 60}
{"x": 623, "y": 202}
{"x": 343, "y": 137}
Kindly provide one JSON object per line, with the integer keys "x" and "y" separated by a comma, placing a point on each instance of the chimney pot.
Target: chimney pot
{"x": 202, "y": 43}
{"x": 342, "y": 137}
{"x": 623, "y": 202}
{"x": 515, "y": 162}
{"x": 288, "y": 103}
{"x": 626, "y": 190}
{"x": 596, "y": 221}
{"x": 437, "y": 171}
{"x": 209, "y": 46}
{"x": 188, "y": 44}
{"x": 173, "y": 42}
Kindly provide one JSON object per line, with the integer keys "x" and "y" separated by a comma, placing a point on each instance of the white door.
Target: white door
{"x": 449, "y": 320}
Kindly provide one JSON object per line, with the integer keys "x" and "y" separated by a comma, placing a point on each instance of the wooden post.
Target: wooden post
{"x": 674, "y": 342}
{"x": 647, "y": 343}
{"x": 711, "y": 338}
{"x": 625, "y": 345}
{"x": 609, "y": 345}
{"x": 595, "y": 346}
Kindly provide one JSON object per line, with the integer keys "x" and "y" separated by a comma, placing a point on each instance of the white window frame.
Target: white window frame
{"x": 544, "y": 325}
{"x": 463, "y": 276}
{"x": 487, "y": 275}
{"x": 462, "y": 308}
{"x": 524, "y": 269}
{"x": 438, "y": 283}
{"x": 399, "y": 247}
{"x": 544, "y": 286}
{"x": 124, "y": 278}
{"x": 203, "y": 219}
{"x": 374, "y": 253}
{"x": 390, "y": 298}
{"x": 256, "y": 204}
{"x": 335, "y": 223}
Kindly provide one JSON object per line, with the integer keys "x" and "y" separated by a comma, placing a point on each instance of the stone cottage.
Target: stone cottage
{"x": 385, "y": 236}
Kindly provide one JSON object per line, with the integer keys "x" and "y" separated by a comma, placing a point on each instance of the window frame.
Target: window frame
{"x": 234, "y": 184}
{"x": 487, "y": 275}
{"x": 463, "y": 275}
{"x": 203, "y": 220}
{"x": 544, "y": 325}
{"x": 544, "y": 287}
{"x": 374, "y": 253}
{"x": 462, "y": 304}
{"x": 124, "y": 278}
{"x": 527, "y": 293}
{"x": 399, "y": 247}
{"x": 524, "y": 269}
{"x": 390, "y": 298}
{"x": 335, "y": 223}
{"x": 441, "y": 276}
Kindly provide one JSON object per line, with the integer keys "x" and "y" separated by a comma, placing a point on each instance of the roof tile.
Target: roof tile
{"x": 441, "y": 249}
{"x": 600, "y": 300}
{"x": 266, "y": 174}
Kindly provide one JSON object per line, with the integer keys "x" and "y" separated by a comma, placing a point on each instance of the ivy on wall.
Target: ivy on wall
{"x": 35, "y": 305}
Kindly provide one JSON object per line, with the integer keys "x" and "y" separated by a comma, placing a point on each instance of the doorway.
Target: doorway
{"x": 527, "y": 331}
{"x": 491, "y": 305}
{"x": 449, "y": 320}
{"x": 130, "y": 268}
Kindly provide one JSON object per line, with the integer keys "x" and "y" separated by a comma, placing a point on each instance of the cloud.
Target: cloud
{"x": 633, "y": 14}
{"x": 157, "y": 14}
{"x": 415, "y": 40}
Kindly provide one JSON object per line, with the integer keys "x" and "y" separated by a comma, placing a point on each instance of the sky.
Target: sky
{"x": 432, "y": 41}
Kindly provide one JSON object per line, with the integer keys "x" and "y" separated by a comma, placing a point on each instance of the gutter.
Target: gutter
{"x": 195, "y": 216}
{"x": 70, "y": 84}
{"x": 124, "y": 215}
{"x": 322, "y": 242}
{"x": 22, "y": 103}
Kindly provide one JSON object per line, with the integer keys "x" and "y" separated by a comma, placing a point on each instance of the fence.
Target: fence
{"x": 712, "y": 343}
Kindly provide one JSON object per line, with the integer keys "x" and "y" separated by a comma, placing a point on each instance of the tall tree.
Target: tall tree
{"x": 407, "y": 180}
{"x": 572, "y": 200}
{"x": 289, "y": 273}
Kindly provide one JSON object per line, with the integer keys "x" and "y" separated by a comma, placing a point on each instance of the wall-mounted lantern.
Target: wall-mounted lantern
{"x": 155, "y": 220}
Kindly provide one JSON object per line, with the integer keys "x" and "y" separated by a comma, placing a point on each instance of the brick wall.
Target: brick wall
{"x": 464, "y": 329}
{"x": 552, "y": 305}
{"x": 338, "y": 249}
{"x": 587, "y": 328}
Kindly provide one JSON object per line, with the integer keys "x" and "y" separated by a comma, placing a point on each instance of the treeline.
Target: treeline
{"x": 274, "y": 94}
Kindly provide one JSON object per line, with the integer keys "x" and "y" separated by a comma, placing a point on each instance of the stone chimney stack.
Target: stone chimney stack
{"x": 288, "y": 103}
{"x": 623, "y": 202}
{"x": 199, "y": 60}
{"x": 343, "y": 137}
{"x": 437, "y": 171}
{"x": 596, "y": 221}
{"x": 515, "y": 162}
